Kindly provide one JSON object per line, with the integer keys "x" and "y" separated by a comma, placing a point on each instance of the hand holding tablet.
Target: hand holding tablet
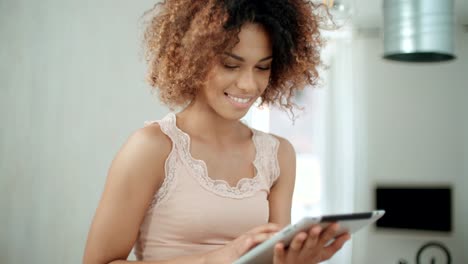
{"x": 348, "y": 223}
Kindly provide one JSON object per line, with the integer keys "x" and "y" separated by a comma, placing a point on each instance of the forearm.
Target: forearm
{"x": 195, "y": 259}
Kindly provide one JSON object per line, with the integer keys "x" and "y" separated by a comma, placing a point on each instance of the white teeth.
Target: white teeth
{"x": 239, "y": 100}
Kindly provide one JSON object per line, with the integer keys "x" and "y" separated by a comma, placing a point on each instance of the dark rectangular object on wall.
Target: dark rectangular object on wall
{"x": 415, "y": 208}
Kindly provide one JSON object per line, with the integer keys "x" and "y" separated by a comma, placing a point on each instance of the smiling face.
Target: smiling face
{"x": 240, "y": 76}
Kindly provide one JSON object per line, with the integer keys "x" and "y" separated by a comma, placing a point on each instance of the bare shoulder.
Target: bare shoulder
{"x": 144, "y": 153}
{"x": 285, "y": 149}
{"x": 150, "y": 134}
{"x": 148, "y": 140}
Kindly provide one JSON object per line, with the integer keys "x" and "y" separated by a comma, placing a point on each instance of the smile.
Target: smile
{"x": 238, "y": 100}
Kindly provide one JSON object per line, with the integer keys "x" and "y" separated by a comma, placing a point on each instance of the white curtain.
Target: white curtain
{"x": 323, "y": 136}
{"x": 338, "y": 150}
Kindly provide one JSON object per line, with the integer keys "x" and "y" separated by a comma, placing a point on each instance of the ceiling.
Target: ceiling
{"x": 369, "y": 13}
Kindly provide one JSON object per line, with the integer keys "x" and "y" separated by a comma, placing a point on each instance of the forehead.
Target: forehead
{"x": 254, "y": 42}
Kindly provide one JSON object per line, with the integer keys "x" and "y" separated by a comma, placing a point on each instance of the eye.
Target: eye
{"x": 266, "y": 68}
{"x": 230, "y": 66}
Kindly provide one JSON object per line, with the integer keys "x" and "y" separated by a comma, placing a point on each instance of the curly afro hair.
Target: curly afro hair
{"x": 184, "y": 37}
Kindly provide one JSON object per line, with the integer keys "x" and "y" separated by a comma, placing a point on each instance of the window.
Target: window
{"x": 323, "y": 137}
{"x": 305, "y": 135}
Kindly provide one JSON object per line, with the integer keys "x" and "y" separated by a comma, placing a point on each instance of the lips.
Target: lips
{"x": 241, "y": 101}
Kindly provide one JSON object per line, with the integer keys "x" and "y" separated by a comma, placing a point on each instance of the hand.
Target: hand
{"x": 239, "y": 246}
{"x": 311, "y": 247}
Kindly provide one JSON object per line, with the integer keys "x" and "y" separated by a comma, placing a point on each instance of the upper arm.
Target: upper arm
{"x": 134, "y": 176}
{"x": 281, "y": 193}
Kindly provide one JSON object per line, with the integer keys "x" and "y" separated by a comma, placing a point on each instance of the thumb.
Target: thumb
{"x": 253, "y": 240}
{"x": 247, "y": 245}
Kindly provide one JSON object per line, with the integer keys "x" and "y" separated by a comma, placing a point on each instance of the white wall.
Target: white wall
{"x": 464, "y": 181}
{"x": 411, "y": 129}
{"x": 465, "y": 178}
{"x": 71, "y": 91}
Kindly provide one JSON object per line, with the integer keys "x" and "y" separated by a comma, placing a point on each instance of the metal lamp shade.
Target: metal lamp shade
{"x": 418, "y": 30}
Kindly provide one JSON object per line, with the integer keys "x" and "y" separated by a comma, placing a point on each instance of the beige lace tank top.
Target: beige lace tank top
{"x": 192, "y": 213}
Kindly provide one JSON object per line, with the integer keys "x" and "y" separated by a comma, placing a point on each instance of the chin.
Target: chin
{"x": 232, "y": 115}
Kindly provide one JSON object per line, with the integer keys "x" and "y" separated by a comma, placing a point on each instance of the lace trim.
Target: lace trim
{"x": 265, "y": 163}
{"x": 169, "y": 166}
{"x": 268, "y": 146}
{"x": 170, "y": 169}
{"x": 274, "y": 160}
{"x": 245, "y": 187}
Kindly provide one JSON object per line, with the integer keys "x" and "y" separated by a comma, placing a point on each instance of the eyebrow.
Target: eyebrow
{"x": 242, "y": 59}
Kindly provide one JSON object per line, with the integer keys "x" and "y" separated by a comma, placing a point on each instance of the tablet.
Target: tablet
{"x": 263, "y": 253}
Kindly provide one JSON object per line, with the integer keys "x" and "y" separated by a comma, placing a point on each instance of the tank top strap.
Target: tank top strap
{"x": 168, "y": 127}
{"x": 180, "y": 141}
{"x": 267, "y": 147}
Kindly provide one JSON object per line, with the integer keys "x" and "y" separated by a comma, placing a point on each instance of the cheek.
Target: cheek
{"x": 220, "y": 81}
{"x": 265, "y": 81}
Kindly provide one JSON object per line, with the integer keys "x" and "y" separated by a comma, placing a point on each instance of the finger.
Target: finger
{"x": 297, "y": 242}
{"x": 339, "y": 242}
{"x": 259, "y": 238}
{"x": 329, "y": 233}
{"x": 270, "y": 227}
{"x": 279, "y": 254}
{"x": 313, "y": 237}
{"x": 253, "y": 240}
{"x": 330, "y": 250}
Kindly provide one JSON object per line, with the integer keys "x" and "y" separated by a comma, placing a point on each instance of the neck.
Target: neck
{"x": 202, "y": 122}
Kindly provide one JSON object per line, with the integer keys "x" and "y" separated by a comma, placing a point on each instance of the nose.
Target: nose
{"x": 246, "y": 81}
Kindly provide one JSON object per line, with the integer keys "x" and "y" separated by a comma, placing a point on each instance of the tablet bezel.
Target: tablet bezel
{"x": 263, "y": 253}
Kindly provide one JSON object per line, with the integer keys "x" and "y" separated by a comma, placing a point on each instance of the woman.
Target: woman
{"x": 199, "y": 186}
